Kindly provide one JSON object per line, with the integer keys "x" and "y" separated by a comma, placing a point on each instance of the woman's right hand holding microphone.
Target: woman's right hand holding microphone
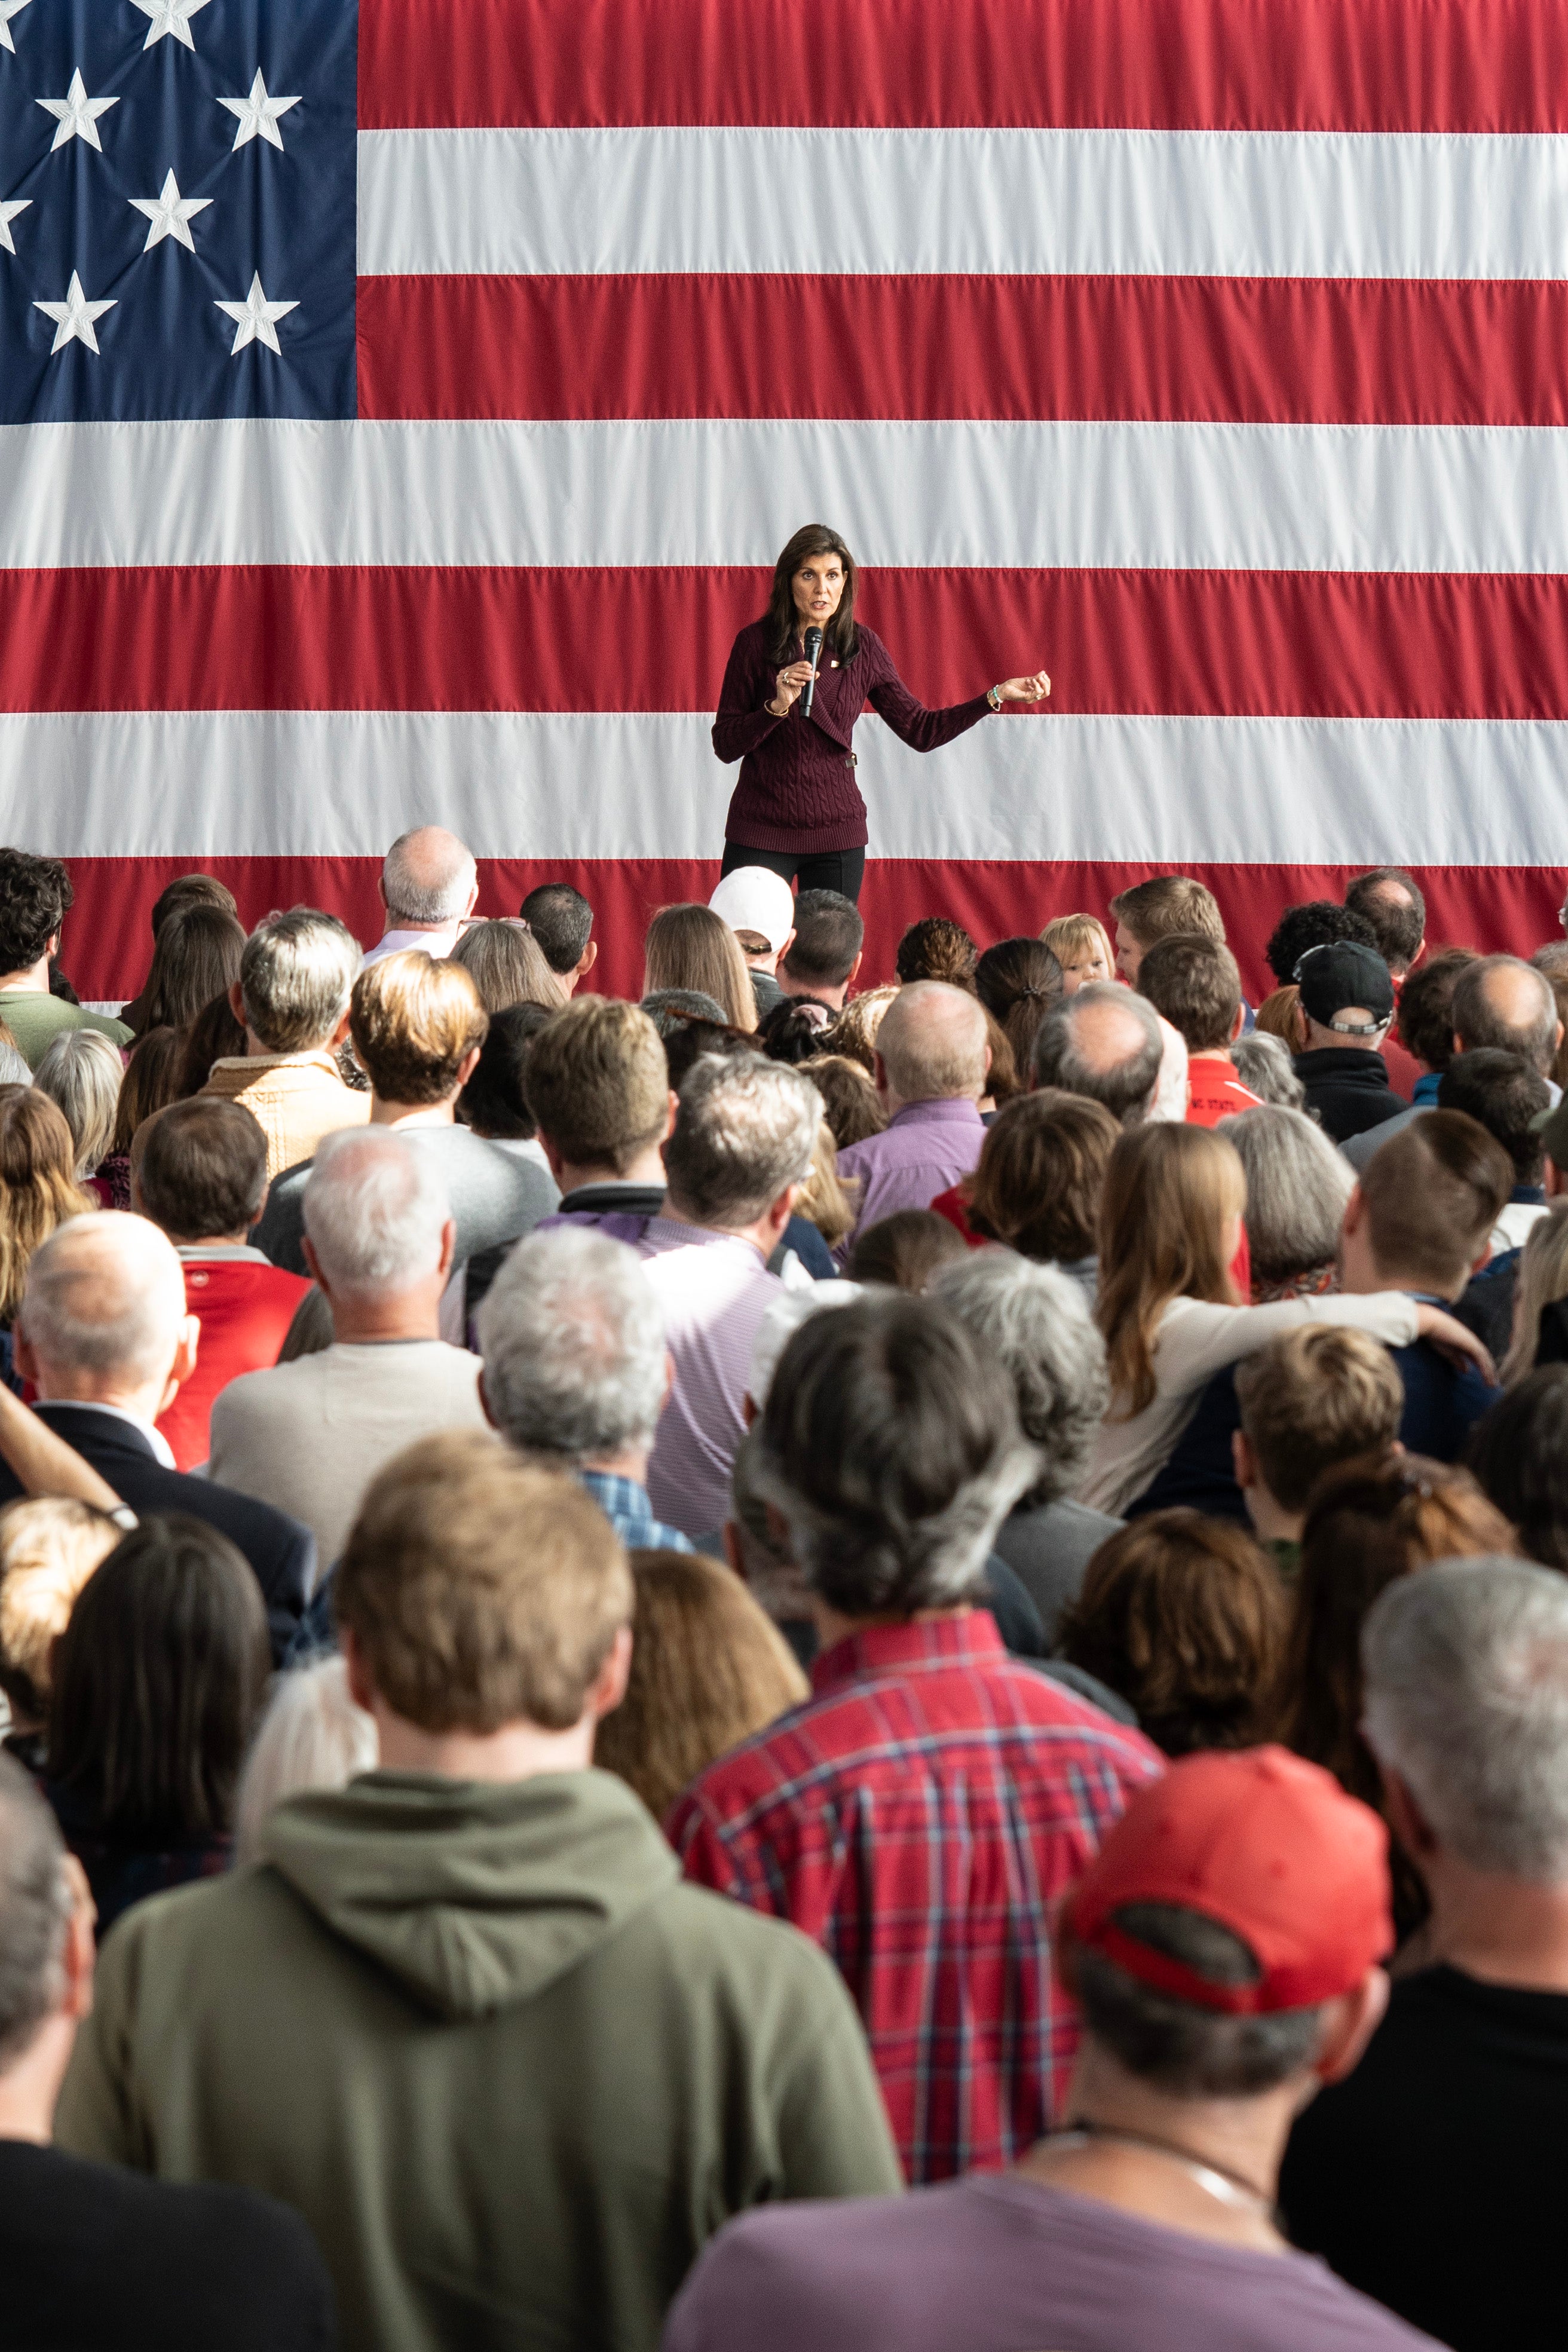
{"x": 791, "y": 685}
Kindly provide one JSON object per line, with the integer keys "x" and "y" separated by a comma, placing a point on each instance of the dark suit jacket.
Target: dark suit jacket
{"x": 281, "y": 1552}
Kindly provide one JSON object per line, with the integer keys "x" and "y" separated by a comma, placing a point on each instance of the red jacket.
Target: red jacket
{"x": 245, "y": 1306}
{"x": 797, "y": 791}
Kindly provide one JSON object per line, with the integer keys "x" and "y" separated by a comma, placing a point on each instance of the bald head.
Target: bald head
{"x": 429, "y": 877}
{"x": 1503, "y": 1002}
{"x": 932, "y": 1045}
{"x": 104, "y": 1313}
{"x": 1103, "y": 1043}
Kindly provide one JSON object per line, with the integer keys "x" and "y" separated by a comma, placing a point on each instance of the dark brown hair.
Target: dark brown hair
{"x": 1433, "y": 1194}
{"x": 936, "y": 947}
{"x": 201, "y": 1167}
{"x": 216, "y": 1034}
{"x": 850, "y": 1100}
{"x": 152, "y": 1079}
{"x": 38, "y": 1189}
{"x": 159, "y": 1680}
{"x": 784, "y": 621}
{"x": 1184, "y": 1618}
{"x": 904, "y": 1251}
{"x": 196, "y": 958}
{"x": 1166, "y": 903}
{"x": 1424, "y": 1022}
{"x": 1018, "y": 981}
{"x": 1194, "y": 983}
{"x": 1042, "y": 1170}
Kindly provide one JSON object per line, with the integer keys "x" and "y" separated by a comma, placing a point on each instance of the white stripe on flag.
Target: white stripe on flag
{"x": 575, "y": 784}
{"x": 1247, "y": 204}
{"x": 1253, "y": 497}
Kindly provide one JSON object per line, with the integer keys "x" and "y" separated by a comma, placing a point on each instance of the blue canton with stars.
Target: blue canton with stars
{"x": 176, "y": 188}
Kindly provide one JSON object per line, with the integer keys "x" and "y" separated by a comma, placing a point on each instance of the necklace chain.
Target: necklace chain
{"x": 1240, "y": 2195}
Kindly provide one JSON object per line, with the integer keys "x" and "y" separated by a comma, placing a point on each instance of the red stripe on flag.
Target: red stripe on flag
{"x": 1267, "y": 65}
{"x": 1266, "y": 351}
{"x": 1204, "y": 644}
{"x": 107, "y": 939}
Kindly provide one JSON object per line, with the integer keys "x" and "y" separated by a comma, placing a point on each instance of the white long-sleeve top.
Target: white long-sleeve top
{"x": 1197, "y": 1339}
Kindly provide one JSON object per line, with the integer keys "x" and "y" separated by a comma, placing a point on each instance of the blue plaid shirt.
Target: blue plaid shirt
{"x": 625, "y": 1504}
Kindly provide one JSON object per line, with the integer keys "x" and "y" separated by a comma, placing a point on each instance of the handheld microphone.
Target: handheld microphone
{"x": 813, "y": 655}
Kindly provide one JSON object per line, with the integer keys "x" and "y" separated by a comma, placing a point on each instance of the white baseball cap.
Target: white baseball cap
{"x": 754, "y": 899}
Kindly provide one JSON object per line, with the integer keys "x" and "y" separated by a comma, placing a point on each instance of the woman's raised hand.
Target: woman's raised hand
{"x": 1033, "y": 688}
{"x": 791, "y": 685}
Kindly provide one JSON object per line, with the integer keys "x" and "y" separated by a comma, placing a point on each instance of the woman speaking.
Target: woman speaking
{"x": 789, "y": 722}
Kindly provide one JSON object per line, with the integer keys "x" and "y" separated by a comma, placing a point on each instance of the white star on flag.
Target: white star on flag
{"x": 77, "y": 115}
{"x": 169, "y": 16}
{"x": 170, "y": 214}
{"x": 9, "y": 8}
{"x": 258, "y": 114}
{"x": 256, "y": 319}
{"x": 7, "y": 215}
{"x": 74, "y": 317}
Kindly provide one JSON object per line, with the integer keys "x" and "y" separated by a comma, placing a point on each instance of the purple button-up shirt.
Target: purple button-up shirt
{"x": 925, "y": 1150}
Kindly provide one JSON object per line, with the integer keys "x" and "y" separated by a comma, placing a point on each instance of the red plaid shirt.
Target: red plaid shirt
{"x": 918, "y": 1815}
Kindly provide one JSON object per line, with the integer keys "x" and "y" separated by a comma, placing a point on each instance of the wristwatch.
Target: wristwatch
{"x": 994, "y": 697}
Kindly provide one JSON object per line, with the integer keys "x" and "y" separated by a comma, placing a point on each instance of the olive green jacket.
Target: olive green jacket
{"x": 511, "y": 2069}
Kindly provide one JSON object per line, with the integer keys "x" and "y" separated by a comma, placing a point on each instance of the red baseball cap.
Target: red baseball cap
{"x": 1263, "y": 1843}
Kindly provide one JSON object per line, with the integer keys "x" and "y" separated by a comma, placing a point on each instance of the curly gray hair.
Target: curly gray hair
{"x": 1034, "y": 1322}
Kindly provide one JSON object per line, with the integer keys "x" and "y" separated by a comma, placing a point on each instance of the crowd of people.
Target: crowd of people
{"x": 836, "y": 1659}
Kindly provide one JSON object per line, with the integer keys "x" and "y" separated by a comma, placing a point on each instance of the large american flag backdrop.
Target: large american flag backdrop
{"x": 403, "y": 406}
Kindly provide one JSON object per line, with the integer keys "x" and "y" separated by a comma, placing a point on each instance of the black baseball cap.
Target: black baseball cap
{"x": 1342, "y": 975}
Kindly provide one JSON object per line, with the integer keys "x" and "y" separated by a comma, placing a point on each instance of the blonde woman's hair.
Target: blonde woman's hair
{"x": 1542, "y": 1280}
{"x": 709, "y": 1669}
{"x": 38, "y": 1188}
{"x": 80, "y": 1070}
{"x": 313, "y": 1736}
{"x": 693, "y": 948}
{"x": 1170, "y": 1192}
{"x": 854, "y": 1033}
{"x": 50, "y": 1546}
{"x": 1069, "y": 936}
{"x": 825, "y": 1198}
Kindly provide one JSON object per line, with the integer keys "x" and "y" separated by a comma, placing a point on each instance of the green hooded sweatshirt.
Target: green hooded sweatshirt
{"x": 510, "y": 2066}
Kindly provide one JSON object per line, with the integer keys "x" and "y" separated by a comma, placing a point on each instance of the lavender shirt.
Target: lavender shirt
{"x": 714, "y": 1289}
{"x": 1006, "y": 2264}
{"x": 924, "y": 1151}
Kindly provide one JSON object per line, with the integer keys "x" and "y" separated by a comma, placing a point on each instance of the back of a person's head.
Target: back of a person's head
{"x": 191, "y": 890}
{"x": 1466, "y": 1678}
{"x": 1370, "y": 1521}
{"x": 1281, "y": 1015}
{"x": 1315, "y": 923}
{"x": 1041, "y": 1173}
{"x": 50, "y": 1546}
{"x": 1297, "y": 1187}
{"x": 596, "y": 1082}
{"x": 561, "y": 920}
{"x": 1518, "y": 1451}
{"x": 744, "y": 1131}
{"x": 1262, "y": 1062}
{"x": 494, "y": 1102}
{"x": 295, "y": 976}
{"x": 155, "y": 1074}
{"x": 1168, "y": 1200}
{"x": 709, "y": 1669}
{"x": 1184, "y": 1619}
{"x": 200, "y": 1169}
{"x": 573, "y": 1339}
{"x": 1391, "y": 901}
{"x": 375, "y": 1210}
{"x": 1168, "y": 904}
{"x": 1018, "y": 981}
{"x": 1432, "y": 1195}
{"x": 854, "y": 1031}
{"x": 794, "y": 1030}
{"x": 850, "y": 1101}
{"x": 80, "y": 1070}
{"x": 687, "y": 1037}
{"x": 1102, "y": 1042}
{"x": 1193, "y": 981}
{"x": 829, "y": 933}
{"x": 198, "y": 955}
{"x": 890, "y": 1445}
{"x": 936, "y": 947}
{"x": 1423, "y": 1022}
{"x": 215, "y": 1036}
{"x": 1505, "y": 1094}
{"x": 415, "y": 1019}
{"x": 427, "y": 877}
{"x": 1034, "y": 1322}
{"x": 37, "y": 1184}
{"x": 691, "y": 947}
{"x": 36, "y": 1907}
{"x": 159, "y": 1680}
{"x": 506, "y": 965}
{"x": 905, "y": 1251}
{"x": 313, "y": 1736}
{"x": 932, "y": 1043}
{"x": 1500, "y": 999}
{"x": 1313, "y": 1397}
{"x": 481, "y": 1589}
{"x": 671, "y": 1009}
{"x": 35, "y": 895}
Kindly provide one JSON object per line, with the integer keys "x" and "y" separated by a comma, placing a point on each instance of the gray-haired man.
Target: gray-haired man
{"x": 292, "y": 996}
{"x": 576, "y": 1369}
{"x": 1432, "y": 2177}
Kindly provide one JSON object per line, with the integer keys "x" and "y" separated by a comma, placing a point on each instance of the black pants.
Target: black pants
{"x": 827, "y": 869}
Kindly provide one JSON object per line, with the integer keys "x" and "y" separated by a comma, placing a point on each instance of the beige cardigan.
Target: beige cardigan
{"x": 297, "y": 1097}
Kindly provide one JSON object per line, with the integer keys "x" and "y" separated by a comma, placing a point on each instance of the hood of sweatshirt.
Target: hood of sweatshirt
{"x": 474, "y": 1894}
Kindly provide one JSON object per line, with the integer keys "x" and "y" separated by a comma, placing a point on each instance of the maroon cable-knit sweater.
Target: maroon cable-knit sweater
{"x": 797, "y": 791}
